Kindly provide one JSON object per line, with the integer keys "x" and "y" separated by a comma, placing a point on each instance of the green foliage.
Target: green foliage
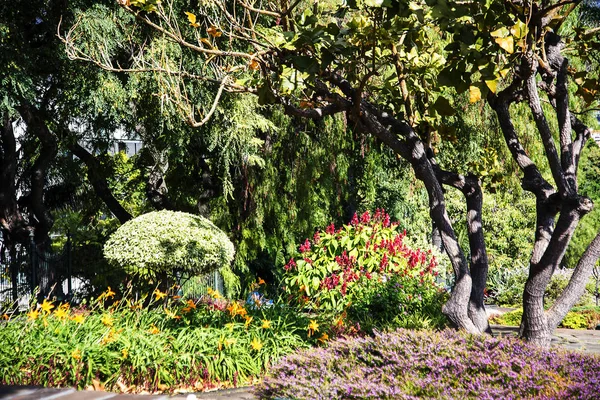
{"x": 396, "y": 303}
{"x": 582, "y": 317}
{"x": 511, "y": 318}
{"x": 157, "y": 345}
{"x": 167, "y": 242}
{"x": 505, "y": 286}
{"x": 349, "y": 269}
{"x": 590, "y": 186}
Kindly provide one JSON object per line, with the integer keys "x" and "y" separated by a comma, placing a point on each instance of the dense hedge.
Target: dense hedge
{"x": 163, "y": 241}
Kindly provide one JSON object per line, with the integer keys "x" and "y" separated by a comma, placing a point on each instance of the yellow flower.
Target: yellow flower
{"x": 230, "y": 341}
{"x": 61, "y": 313}
{"x": 248, "y": 321}
{"x": 213, "y": 293}
{"x": 46, "y": 306}
{"x": 324, "y": 337}
{"x": 109, "y": 293}
{"x": 159, "y": 295}
{"x": 78, "y": 318}
{"x": 107, "y": 320}
{"x": 154, "y": 330}
{"x": 125, "y": 352}
{"x": 76, "y": 354}
{"x": 261, "y": 281}
{"x": 172, "y": 314}
{"x": 256, "y": 344}
{"x": 266, "y": 324}
{"x": 32, "y": 315}
{"x": 110, "y": 336}
{"x": 230, "y": 326}
{"x": 312, "y": 327}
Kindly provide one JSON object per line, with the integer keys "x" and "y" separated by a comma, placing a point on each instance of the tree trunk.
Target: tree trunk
{"x": 97, "y": 177}
{"x": 49, "y": 148}
{"x": 14, "y": 227}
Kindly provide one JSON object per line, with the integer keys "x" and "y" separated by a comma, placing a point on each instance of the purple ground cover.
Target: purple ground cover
{"x": 420, "y": 364}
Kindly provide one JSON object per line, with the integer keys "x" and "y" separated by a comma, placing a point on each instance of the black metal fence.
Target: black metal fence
{"x": 25, "y": 270}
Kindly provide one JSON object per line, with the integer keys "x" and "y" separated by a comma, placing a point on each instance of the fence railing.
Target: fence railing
{"x": 25, "y": 270}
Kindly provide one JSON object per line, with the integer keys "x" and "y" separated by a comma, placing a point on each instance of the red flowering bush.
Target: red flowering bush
{"x": 346, "y": 266}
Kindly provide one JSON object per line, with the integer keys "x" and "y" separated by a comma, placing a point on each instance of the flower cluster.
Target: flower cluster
{"x": 332, "y": 269}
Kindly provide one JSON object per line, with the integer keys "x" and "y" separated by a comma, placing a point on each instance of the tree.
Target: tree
{"x": 391, "y": 68}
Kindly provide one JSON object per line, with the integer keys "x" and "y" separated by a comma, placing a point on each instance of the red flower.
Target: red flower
{"x": 330, "y": 229}
{"x": 366, "y": 217}
{"x": 386, "y": 220}
{"x": 354, "y": 219}
{"x": 305, "y": 247}
{"x": 290, "y": 265}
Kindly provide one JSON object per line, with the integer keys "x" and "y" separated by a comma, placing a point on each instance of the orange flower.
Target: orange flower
{"x": 76, "y": 354}
{"x": 248, "y": 321}
{"x": 261, "y": 281}
{"x": 324, "y": 337}
{"x": 154, "y": 330}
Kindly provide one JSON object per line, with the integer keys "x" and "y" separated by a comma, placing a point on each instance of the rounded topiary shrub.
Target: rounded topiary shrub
{"x": 162, "y": 242}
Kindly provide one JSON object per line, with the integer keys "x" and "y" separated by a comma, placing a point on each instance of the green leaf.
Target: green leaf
{"x": 443, "y": 107}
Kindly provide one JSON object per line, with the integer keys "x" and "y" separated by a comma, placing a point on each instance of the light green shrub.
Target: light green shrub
{"x": 166, "y": 242}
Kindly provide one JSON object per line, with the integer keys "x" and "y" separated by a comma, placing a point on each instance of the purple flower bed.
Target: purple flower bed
{"x": 420, "y": 364}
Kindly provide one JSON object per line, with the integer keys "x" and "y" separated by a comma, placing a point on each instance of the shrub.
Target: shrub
{"x": 445, "y": 365}
{"x": 505, "y": 287}
{"x": 366, "y": 270}
{"x": 152, "y": 345}
{"x": 164, "y": 242}
{"x": 511, "y": 318}
{"x": 591, "y": 315}
{"x": 578, "y": 318}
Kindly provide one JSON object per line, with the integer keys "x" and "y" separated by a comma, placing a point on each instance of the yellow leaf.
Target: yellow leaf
{"x": 504, "y": 72}
{"x": 192, "y": 19}
{"x": 474, "y": 94}
{"x": 492, "y": 85}
{"x": 519, "y": 30}
{"x": 506, "y": 43}
{"x": 500, "y": 33}
{"x": 214, "y": 31}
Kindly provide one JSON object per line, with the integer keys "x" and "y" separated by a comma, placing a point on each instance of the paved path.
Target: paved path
{"x": 587, "y": 341}
{"x": 36, "y": 393}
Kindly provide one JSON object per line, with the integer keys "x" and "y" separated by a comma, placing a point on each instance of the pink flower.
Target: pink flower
{"x": 354, "y": 219}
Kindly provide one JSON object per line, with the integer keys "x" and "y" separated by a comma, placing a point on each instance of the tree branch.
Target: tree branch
{"x": 544, "y": 129}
